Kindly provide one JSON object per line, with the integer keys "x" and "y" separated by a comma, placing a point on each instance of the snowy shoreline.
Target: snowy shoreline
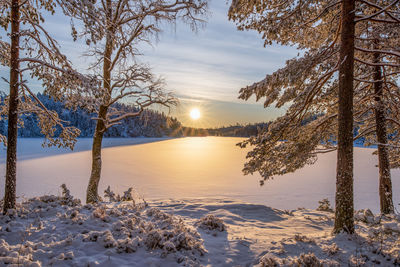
{"x": 203, "y": 167}
{"x": 58, "y": 231}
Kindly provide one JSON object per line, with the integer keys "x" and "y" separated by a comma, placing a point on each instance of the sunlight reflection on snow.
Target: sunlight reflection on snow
{"x": 197, "y": 167}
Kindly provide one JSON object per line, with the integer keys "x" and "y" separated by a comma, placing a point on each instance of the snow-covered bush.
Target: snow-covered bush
{"x": 153, "y": 239}
{"x": 269, "y": 261}
{"x": 107, "y": 240}
{"x": 288, "y": 212}
{"x": 366, "y": 216}
{"x": 127, "y": 195}
{"x": 331, "y": 249}
{"x": 128, "y": 245}
{"x": 141, "y": 227}
{"x": 384, "y": 233}
{"x": 308, "y": 260}
{"x": 171, "y": 233}
{"x": 305, "y": 259}
{"x": 303, "y": 238}
{"x": 356, "y": 261}
{"x": 62, "y": 234}
{"x": 112, "y": 197}
{"x": 210, "y": 222}
{"x": 67, "y": 198}
{"x": 324, "y": 205}
{"x": 100, "y": 213}
{"x": 21, "y": 257}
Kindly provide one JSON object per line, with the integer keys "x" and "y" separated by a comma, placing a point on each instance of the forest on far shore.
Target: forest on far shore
{"x": 150, "y": 123}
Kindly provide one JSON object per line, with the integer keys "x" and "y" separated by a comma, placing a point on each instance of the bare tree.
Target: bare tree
{"x": 113, "y": 29}
{"x": 32, "y": 51}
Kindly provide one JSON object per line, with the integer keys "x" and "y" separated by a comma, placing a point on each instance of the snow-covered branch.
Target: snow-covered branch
{"x": 381, "y": 10}
{"x": 381, "y": 51}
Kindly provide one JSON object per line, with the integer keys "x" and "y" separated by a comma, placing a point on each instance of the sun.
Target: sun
{"x": 195, "y": 114}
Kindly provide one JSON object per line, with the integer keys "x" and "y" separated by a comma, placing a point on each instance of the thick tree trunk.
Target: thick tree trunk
{"x": 92, "y": 190}
{"x": 344, "y": 213}
{"x": 11, "y": 169}
{"x": 385, "y": 182}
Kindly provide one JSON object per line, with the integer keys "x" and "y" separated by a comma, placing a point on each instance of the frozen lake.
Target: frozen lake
{"x": 29, "y": 148}
{"x": 198, "y": 167}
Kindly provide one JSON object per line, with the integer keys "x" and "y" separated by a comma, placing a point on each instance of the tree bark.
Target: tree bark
{"x": 11, "y": 165}
{"x": 385, "y": 182}
{"x": 344, "y": 212}
{"x": 92, "y": 190}
{"x": 92, "y": 195}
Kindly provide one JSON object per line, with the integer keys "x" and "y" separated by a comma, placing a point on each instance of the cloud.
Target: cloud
{"x": 217, "y": 61}
{"x": 209, "y": 66}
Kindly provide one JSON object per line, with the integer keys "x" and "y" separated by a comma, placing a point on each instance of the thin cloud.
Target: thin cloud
{"x": 208, "y": 66}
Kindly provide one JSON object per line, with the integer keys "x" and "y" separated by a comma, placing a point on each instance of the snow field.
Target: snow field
{"x": 59, "y": 231}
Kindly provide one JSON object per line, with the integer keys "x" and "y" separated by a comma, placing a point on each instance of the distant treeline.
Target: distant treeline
{"x": 232, "y": 131}
{"x": 149, "y": 124}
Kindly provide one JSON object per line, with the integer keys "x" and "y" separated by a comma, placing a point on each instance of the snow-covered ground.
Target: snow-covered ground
{"x": 200, "y": 210}
{"x": 191, "y": 168}
{"x": 55, "y": 231}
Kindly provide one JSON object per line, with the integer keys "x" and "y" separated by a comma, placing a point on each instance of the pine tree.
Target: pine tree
{"x": 32, "y": 51}
{"x": 309, "y": 83}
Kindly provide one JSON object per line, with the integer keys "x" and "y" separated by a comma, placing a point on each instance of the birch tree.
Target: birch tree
{"x": 113, "y": 30}
{"x": 326, "y": 30}
{"x": 32, "y": 52}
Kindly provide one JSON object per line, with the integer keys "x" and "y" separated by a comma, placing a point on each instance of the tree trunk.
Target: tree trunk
{"x": 385, "y": 183}
{"x": 92, "y": 190}
{"x": 344, "y": 213}
{"x": 11, "y": 169}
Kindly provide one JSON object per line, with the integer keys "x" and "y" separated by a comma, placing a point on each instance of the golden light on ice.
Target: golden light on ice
{"x": 195, "y": 114}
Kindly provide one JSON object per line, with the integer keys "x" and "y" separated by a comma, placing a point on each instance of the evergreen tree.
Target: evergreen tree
{"x": 32, "y": 51}
{"x": 326, "y": 30}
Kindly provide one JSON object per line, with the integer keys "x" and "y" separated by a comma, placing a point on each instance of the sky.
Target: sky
{"x": 204, "y": 69}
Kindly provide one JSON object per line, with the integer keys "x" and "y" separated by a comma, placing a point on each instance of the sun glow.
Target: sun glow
{"x": 195, "y": 114}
